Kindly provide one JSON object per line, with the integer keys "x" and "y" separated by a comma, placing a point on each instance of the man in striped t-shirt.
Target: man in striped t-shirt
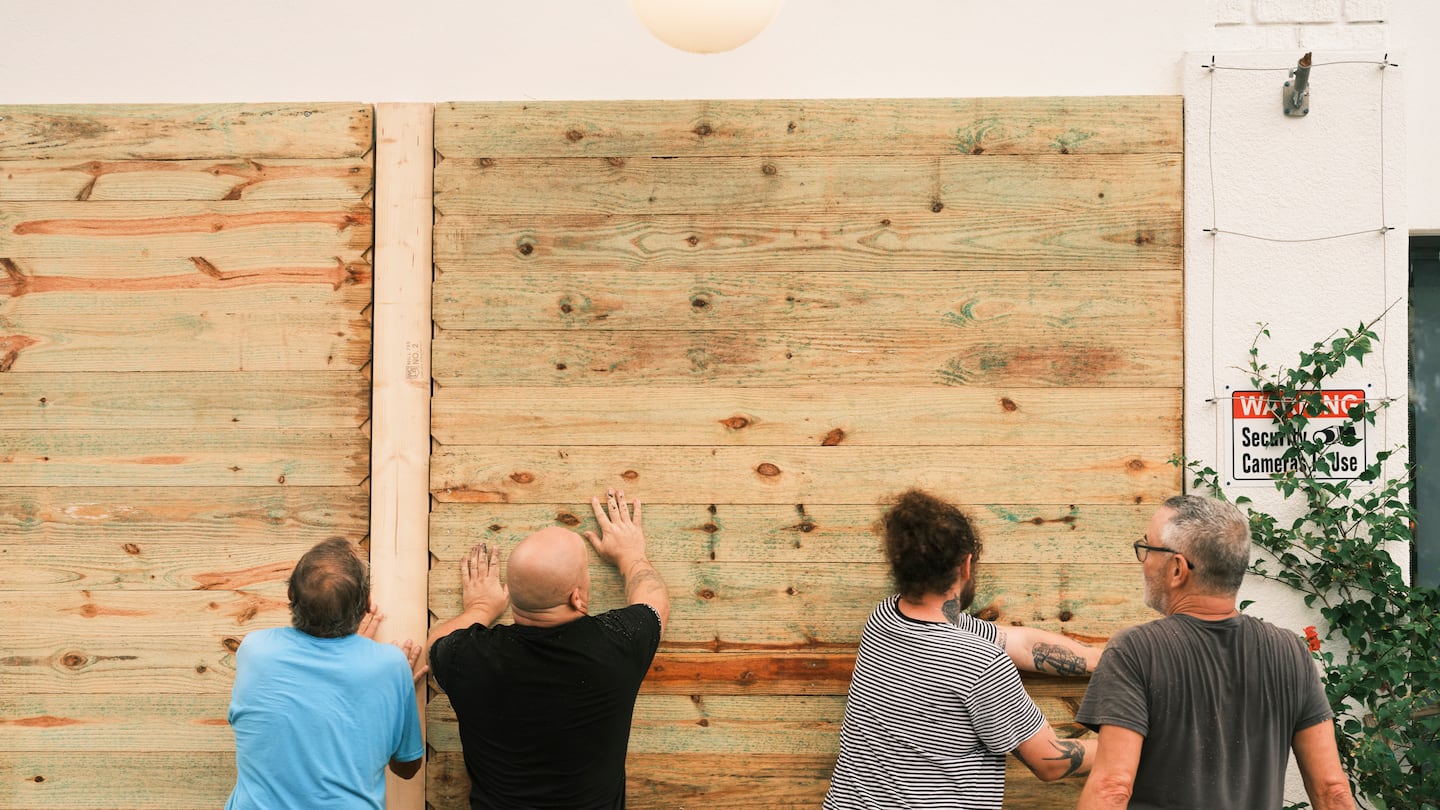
{"x": 936, "y": 701}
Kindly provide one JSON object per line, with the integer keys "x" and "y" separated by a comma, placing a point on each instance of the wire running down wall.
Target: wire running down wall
{"x": 764, "y": 318}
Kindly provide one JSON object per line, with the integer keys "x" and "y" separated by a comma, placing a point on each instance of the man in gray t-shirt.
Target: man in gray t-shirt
{"x": 1201, "y": 708}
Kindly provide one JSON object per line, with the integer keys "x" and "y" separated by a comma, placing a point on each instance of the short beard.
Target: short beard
{"x": 1157, "y": 598}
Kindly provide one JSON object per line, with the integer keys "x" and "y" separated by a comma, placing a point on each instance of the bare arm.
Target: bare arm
{"x": 1113, "y": 777}
{"x": 1051, "y": 758}
{"x": 407, "y": 770}
{"x": 1319, "y": 761}
{"x": 622, "y": 544}
{"x": 1034, "y": 650}
{"x": 483, "y": 597}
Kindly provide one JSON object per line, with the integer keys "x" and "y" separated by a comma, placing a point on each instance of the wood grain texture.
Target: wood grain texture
{"x": 796, "y": 533}
{"x": 715, "y": 128}
{"x": 307, "y": 229}
{"x": 810, "y": 416}
{"x": 184, "y": 131}
{"x": 183, "y": 401}
{"x": 1126, "y": 356}
{"x": 734, "y": 607}
{"x": 898, "y": 240}
{"x": 964, "y": 186}
{"x": 116, "y": 780}
{"x": 97, "y": 180}
{"x": 1078, "y": 301}
{"x": 803, "y": 475}
{"x": 139, "y": 722}
{"x": 239, "y": 457}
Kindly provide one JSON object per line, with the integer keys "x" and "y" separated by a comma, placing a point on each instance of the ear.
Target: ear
{"x": 577, "y": 600}
{"x": 1180, "y": 574}
{"x": 967, "y": 567}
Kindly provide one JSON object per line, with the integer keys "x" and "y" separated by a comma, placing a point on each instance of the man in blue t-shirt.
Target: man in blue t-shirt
{"x": 320, "y": 708}
{"x": 544, "y": 705}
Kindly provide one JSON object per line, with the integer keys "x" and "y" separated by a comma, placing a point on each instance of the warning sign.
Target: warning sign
{"x": 1257, "y": 445}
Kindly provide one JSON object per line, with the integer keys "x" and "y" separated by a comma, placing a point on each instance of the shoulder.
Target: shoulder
{"x": 630, "y": 619}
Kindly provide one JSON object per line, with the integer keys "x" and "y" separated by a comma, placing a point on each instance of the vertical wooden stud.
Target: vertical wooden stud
{"x": 400, "y": 385}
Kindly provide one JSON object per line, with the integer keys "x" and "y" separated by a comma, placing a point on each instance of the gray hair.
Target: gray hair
{"x": 1215, "y": 536}
{"x": 329, "y": 590}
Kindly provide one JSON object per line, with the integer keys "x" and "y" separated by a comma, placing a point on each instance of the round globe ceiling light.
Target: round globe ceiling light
{"x": 705, "y": 26}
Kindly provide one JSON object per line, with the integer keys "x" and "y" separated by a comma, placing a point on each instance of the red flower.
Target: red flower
{"x": 1313, "y": 639}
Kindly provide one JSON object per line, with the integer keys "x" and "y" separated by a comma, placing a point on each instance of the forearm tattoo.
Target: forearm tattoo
{"x": 1057, "y": 659}
{"x": 1069, "y": 750}
{"x": 643, "y": 576}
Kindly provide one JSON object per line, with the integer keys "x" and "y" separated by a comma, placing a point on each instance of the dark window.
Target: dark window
{"x": 1425, "y": 405}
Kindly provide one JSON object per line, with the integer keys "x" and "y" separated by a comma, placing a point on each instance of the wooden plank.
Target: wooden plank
{"x": 117, "y": 722}
{"x": 786, "y": 533}
{"x": 134, "y": 274}
{"x": 115, "y": 780}
{"x": 87, "y": 643}
{"x": 308, "y": 229}
{"x": 296, "y": 327}
{"x": 192, "y": 401}
{"x": 133, "y": 520}
{"x": 965, "y": 186}
{"x": 810, "y": 607}
{"x": 233, "y": 179}
{"x": 188, "y": 131}
{"x": 1130, "y": 355}
{"x": 237, "y": 457}
{"x": 1014, "y": 240}
{"x": 991, "y": 126}
{"x": 152, "y": 566}
{"x": 400, "y": 471}
{"x": 470, "y": 298}
{"x": 803, "y": 475}
{"x": 854, "y": 415}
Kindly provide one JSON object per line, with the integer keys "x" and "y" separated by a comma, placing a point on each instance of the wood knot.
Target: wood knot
{"x": 280, "y": 480}
{"x": 699, "y": 302}
{"x": 709, "y": 528}
{"x": 703, "y": 723}
{"x": 73, "y": 660}
{"x": 629, "y": 475}
{"x": 566, "y": 308}
{"x": 790, "y": 127}
{"x": 711, "y": 509}
{"x": 526, "y": 248}
{"x": 486, "y": 163}
{"x": 748, "y": 677}
{"x": 37, "y": 779}
{"x": 692, "y": 240}
{"x": 201, "y": 669}
{"x": 1135, "y": 464}
{"x": 705, "y": 593}
{"x": 1009, "y": 404}
{"x": 522, "y": 477}
{"x": 1038, "y": 521}
{"x": 230, "y": 643}
{"x": 735, "y": 423}
{"x": 977, "y": 150}
{"x": 560, "y": 366}
{"x": 702, "y": 130}
{"x": 790, "y": 591}
{"x": 937, "y": 206}
{"x": 131, "y": 548}
{"x": 769, "y": 170}
{"x": 833, "y": 438}
{"x": 617, "y": 162}
{"x": 574, "y": 135}
{"x": 568, "y": 519}
{"x": 494, "y": 527}
{"x": 805, "y": 526}
{"x": 1066, "y": 615}
{"x": 1144, "y": 238}
{"x": 989, "y": 614}
{"x": 768, "y": 470}
{"x": 884, "y": 223}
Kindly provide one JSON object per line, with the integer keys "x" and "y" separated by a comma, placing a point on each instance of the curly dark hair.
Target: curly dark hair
{"x": 926, "y": 539}
{"x": 329, "y": 590}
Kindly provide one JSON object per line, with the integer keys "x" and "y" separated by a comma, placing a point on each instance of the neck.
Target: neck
{"x": 546, "y": 617}
{"x": 1207, "y": 607}
{"x": 927, "y": 608}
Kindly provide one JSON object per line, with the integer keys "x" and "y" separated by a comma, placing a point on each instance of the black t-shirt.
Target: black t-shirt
{"x": 544, "y": 713}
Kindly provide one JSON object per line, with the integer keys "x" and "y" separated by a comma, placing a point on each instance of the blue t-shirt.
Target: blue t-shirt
{"x": 316, "y": 720}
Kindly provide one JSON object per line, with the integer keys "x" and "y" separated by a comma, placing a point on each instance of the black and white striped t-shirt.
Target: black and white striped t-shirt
{"x": 932, "y": 711}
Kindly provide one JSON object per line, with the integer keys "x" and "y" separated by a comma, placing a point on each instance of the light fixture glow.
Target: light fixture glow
{"x": 705, "y": 26}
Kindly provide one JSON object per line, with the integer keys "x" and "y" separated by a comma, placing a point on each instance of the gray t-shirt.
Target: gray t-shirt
{"x": 1218, "y": 704}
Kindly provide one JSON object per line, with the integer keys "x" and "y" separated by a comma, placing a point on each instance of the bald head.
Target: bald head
{"x": 546, "y": 568}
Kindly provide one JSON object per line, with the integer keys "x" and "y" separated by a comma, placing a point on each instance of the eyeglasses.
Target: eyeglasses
{"x": 1141, "y": 550}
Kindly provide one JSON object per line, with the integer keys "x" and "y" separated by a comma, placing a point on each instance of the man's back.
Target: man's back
{"x": 544, "y": 713}
{"x": 1217, "y": 702}
{"x": 316, "y": 720}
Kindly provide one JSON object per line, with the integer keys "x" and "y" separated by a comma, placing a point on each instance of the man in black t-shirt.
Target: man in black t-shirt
{"x": 544, "y": 704}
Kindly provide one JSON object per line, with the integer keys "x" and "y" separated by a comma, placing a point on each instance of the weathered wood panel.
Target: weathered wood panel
{"x": 1018, "y": 240}
{"x": 853, "y": 415}
{"x": 178, "y": 132}
{"x": 798, "y": 533}
{"x": 184, "y": 296}
{"x": 713, "y": 128}
{"x": 708, "y": 186}
{"x": 793, "y": 475}
{"x": 764, "y": 319}
{"x": 30, "y": 180}
{"x": 1061, "y": 301}
{"x": 863, "y": 356}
